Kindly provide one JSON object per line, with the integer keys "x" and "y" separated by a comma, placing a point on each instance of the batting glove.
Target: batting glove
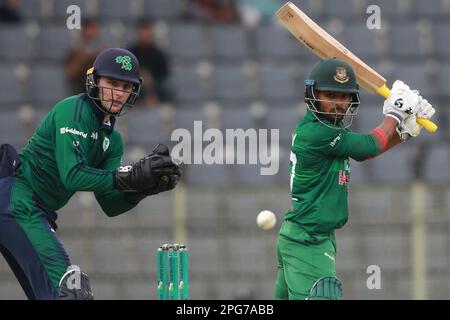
{"x": 402, "y": 102}
{"x": 408, "y": 128}
{"x": 426, "y": 111}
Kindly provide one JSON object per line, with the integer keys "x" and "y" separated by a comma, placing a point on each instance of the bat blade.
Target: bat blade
{"x": 325, "y": 46}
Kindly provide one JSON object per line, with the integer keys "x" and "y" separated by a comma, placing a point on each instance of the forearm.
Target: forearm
{"x": 114, "y": 203}
{"x": 392, "y": 143}
{"x": 85, "y": 178}
{"x": 386, "y": 134}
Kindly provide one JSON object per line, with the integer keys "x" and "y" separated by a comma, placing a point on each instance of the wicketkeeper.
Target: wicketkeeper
{"x": 75, "y": 148}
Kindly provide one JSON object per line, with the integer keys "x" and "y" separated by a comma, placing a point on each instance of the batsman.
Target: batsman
{"x": 75, "y": 148}
{"x": 322, "y": 145}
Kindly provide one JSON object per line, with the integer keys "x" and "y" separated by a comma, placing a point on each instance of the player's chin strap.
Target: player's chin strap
{"x": 326, "y": 288}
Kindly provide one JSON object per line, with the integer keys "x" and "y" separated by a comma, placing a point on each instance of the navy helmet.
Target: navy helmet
{"x": 115, "y": 63}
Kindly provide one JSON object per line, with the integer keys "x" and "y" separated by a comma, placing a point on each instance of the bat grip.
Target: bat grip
{"x": 427, "y": 124}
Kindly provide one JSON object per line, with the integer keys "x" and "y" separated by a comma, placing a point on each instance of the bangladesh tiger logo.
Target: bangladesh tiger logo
{"x": 341, "y": 75}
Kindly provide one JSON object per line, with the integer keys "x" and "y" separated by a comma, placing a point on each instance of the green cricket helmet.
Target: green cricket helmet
{"x": 332, "y": 75}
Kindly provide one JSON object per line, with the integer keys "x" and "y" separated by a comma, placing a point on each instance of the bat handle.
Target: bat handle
{"x": 427, "y": 124}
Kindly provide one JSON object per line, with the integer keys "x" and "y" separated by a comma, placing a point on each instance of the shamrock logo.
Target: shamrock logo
{"x": 125, "y": 61}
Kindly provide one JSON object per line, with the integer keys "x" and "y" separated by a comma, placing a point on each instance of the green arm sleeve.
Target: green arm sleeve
{"x": 71, "y": 145}
{"x": 355, "y": 145}
{"x": 112, "y": 201}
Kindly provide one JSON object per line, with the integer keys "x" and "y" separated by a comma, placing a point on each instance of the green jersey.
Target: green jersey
{"x": 73, "y": 149}
{"x": 320, "y": 172}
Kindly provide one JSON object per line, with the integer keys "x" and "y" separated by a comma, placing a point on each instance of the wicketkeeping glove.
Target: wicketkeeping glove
{"x": 146, "y": 174}
{"x": 166, "y": 183}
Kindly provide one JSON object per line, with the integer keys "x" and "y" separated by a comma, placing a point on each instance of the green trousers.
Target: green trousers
{"x": 302, "y": 260}
{"x": 30, "y": 244}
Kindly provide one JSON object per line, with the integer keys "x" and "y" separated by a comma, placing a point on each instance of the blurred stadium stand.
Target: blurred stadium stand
{"x": 188, "y": 85}
{"x": 18, "y": 44}
{"x": 231, "y": 84}
{"x": 161, "y": 9}
{"x": 188, "y": 42}
{"x": 274, "y": 43}
{"x": 53, "y": 43}
{"x": 230, "y": 43}
{"x": 113, "y": 9}
{"x": 46, "y": 85}
{"x": 10, "y": 85}
{"x": 220, "y": 73}
{"x": 441, "y": 39}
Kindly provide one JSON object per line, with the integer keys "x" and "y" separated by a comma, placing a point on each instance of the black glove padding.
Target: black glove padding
{"x": 165, "y": 183}
{"x": 145, "y": 175}
{"x": 160, "y": 149}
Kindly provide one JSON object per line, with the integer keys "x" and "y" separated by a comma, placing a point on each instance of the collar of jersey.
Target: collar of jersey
{"x": 100, "y": 115}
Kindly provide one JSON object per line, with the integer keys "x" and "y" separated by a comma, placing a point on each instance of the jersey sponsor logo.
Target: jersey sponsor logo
{"x": 344, "y": 178}
{"x": 73, "y": 131}
{"x": 333, "y": 143}
{"x": 344, "y": 175}
{"x": 105, "y": 144}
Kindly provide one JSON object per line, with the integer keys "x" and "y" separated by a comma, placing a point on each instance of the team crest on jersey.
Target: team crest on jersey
{"x": 105, "y": 144}
{"x": 341, "y": 75}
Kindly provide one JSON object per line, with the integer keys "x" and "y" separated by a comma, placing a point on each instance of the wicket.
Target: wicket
{"x": 172, "y": 279}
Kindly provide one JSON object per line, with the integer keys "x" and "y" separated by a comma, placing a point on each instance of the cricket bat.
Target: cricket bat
{"x": 325, "y": 46}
